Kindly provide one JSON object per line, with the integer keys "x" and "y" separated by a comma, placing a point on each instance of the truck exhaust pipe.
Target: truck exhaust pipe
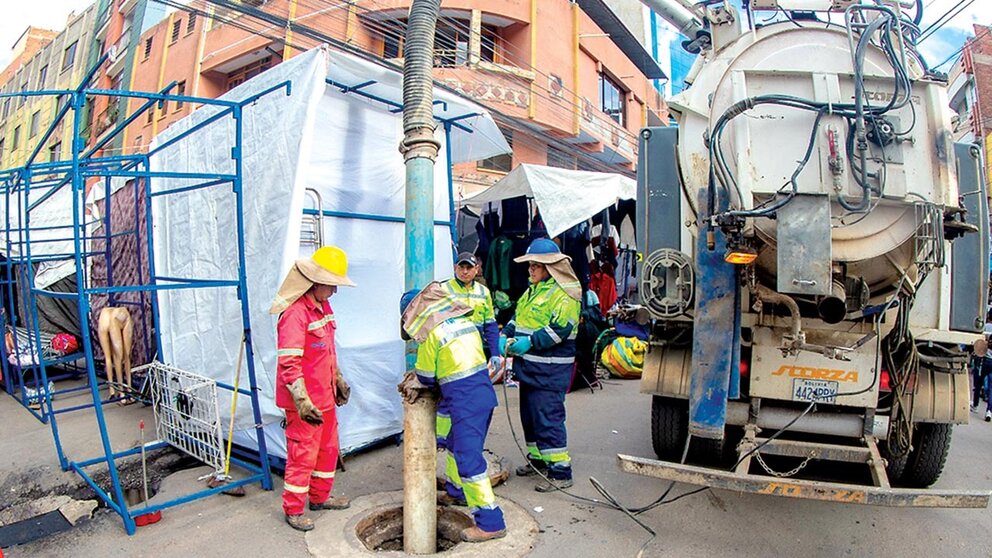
{"x": 833, "y": 307}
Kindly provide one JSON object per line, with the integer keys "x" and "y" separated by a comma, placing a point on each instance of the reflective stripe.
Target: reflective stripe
{"x": 295, "y": 489}
{"x": 321, "y": 322}
{"x": 322, "y": 474}
{"x": 464, "y": 374}
{"x": 551, "y": 333}
{"x": 450, "y": 336}
{"x": 289, "y": 352}
{"x": 548, "y": 360}
{"x": 477, "y": 478}
{"x": 523, "y": 331}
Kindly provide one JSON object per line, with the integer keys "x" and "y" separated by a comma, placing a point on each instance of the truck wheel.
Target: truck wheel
{"x": 925, "y": 462}
{"x": 669, "y": 427}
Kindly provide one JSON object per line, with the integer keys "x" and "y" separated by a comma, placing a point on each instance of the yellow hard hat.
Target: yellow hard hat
{"x": 327, "y": 266}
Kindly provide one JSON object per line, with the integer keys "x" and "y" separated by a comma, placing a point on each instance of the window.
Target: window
{"x": 61, "y": 101}
{"x": 612, "y": 99}
{"x": 6, "y": 107}
{"x": 180, "y": 90}
{"x": 392, "y": 38}
{"x": 176, "y": 26}
{"x": 35, "y": 123}
{"x": 451, "y": 44}
{"x": 150, "y": 115}
{"x": 16, "y": 139}
{"x": 137, "y": 143}
{"x": 245, "y": 73}
{"x": 42, "y": 74}
{"x": 191, "y": 23}
{"x": 23, "y": 97}
{"x": 490, "y": 38}
{"x": 148, "y": 47}
{"x": 499, "y": 163}
{"x": 560, "y": 158}
{"x": 69, "y": 56}
{"x": 1, "y": 147}
{"x": 55, "y": 151}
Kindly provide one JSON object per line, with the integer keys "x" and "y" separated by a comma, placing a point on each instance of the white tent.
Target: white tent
{"x": 564, "y": 197}
{"x": 344, "y": 145}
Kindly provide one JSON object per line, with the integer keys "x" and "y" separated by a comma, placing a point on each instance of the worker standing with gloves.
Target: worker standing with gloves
{"x": 541, "y": 337}
{"x": 450, "y": 357}
{"x": 309, "y": 383}
{"x": 465, "y": 289}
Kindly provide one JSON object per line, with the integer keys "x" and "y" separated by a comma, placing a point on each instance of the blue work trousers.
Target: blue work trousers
{"x": 465, "y": 444}
{"x": 542, "y": 413}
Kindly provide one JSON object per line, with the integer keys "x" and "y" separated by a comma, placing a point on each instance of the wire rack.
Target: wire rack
{"x": 186, "y": 412}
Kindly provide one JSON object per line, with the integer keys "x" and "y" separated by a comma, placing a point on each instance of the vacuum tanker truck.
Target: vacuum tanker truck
{"x": 814, "y": 257}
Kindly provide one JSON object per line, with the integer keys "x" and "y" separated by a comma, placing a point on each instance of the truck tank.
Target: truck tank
{"x": 815, "y": 257}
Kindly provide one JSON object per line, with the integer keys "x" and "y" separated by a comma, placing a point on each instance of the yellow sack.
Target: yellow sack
{"x": 624, "y": 357}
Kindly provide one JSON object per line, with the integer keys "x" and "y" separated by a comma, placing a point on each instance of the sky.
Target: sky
{"x": 52, "y": 14}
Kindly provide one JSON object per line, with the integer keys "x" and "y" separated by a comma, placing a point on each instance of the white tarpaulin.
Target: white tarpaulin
{"x": 343, "y": 145}
{"x": 564, "y": 197}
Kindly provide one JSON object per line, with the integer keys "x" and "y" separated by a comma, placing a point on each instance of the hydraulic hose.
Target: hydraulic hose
{"x": 418, "y": 81}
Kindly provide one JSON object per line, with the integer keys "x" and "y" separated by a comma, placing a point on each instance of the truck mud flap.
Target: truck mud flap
{"x": 811, "y": 490}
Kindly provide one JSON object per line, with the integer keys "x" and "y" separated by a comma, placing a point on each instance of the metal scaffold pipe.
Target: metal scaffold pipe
{"x": 419, "y": 150}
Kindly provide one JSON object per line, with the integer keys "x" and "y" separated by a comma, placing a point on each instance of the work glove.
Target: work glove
{"x": 343, "y": 392}
{"x": 519, "y": 347}
{"x": 307, "y": 410}
{"x": 495, "y": 368}
{"x": 495, "y": 363}
{"x": 410, "y": 388}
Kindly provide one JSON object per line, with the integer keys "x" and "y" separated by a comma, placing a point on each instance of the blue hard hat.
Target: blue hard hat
{"x": 543, "y": 246}
{"x": 407, "y": 298}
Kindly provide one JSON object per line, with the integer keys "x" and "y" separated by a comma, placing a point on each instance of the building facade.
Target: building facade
{"x": 60, "y": 64}
{"x": 565, "y": 91}
{"x": 971, "y": 94}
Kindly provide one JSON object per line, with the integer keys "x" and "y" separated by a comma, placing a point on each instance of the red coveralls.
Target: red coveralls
{"x": 306, "y": 348}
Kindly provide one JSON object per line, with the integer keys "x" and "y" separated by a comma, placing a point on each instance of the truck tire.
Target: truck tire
{"x": 925, "y": 462}
{"x": 669, "y": 427}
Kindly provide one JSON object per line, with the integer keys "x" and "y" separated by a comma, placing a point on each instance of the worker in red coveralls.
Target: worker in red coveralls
{"x": 309, "y": 383}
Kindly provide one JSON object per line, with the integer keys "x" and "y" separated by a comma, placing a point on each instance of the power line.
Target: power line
{"x": 313, "y": 34}
{"x": 935, "y": 26}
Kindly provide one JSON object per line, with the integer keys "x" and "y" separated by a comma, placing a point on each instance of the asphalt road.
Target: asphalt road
{"x": 601, "y": 425}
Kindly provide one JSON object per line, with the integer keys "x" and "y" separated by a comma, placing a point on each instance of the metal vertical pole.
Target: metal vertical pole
{"x": 419, "y": 150}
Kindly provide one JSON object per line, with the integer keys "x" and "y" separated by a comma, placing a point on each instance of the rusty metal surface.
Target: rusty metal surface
{"x": 812, "y": 490}
{"x": 826, "y": 452}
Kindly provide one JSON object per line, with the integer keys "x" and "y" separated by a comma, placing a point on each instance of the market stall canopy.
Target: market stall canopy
{"x": 564, "y": 197}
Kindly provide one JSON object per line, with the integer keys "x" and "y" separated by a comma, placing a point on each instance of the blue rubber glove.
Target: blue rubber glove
{"x": 520, "y": 346}
{"x": 502, "y": 345}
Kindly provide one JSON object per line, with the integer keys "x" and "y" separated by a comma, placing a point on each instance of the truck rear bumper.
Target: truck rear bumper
{"x": 812, "y": 490}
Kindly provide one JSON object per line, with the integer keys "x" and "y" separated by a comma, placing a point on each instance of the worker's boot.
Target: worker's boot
{"x": 475, "y": 535}
{"x": 531, "y": 468}
{"x": 332, "y": 503}
{"x": 445, "y": 499}
{"x": 299, "y": 522}
{"x": 553, "y": 485}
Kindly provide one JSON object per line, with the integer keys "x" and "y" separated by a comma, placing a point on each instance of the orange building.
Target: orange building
{"x": 568, "y": 84}
{"x": 28, "y": 44}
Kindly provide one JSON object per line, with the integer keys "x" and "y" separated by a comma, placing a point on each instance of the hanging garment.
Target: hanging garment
{"x": 497, "y": 270}
{"x": 605, "y": 287}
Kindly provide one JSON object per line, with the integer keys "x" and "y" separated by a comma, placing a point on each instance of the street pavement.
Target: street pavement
{"x": 601, "y": 425}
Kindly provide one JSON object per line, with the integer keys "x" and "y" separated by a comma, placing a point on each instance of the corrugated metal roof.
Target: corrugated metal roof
{"x": 622, "y": 37}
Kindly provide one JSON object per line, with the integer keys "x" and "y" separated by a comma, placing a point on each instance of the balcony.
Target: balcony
{"x": 118, "y": 54}
{"x": 108, "y": 118}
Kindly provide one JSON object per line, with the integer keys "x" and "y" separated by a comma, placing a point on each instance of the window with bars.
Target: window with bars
{"x": 245, "y": 73}
{"x": 451, "y": 41}
{"x": 180, "y": 90}
{"x": 177, "y": 25}
{"x": 499, "y": 163}
{"x": 35, "y": 124}
{"x": 612, "y": 99}
{"x": 191, "y": 23}
{"x": 148, "y": 47}
{"x": 69, "y": 56}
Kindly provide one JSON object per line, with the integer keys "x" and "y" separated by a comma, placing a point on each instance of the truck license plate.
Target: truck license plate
{"x": 821, "y": 391}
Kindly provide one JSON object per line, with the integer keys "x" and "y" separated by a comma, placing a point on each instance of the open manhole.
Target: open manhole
{"x": 382, "y": 529}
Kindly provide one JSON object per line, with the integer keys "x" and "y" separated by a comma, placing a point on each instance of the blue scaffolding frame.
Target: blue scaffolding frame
{"x": 85, "y": 165}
